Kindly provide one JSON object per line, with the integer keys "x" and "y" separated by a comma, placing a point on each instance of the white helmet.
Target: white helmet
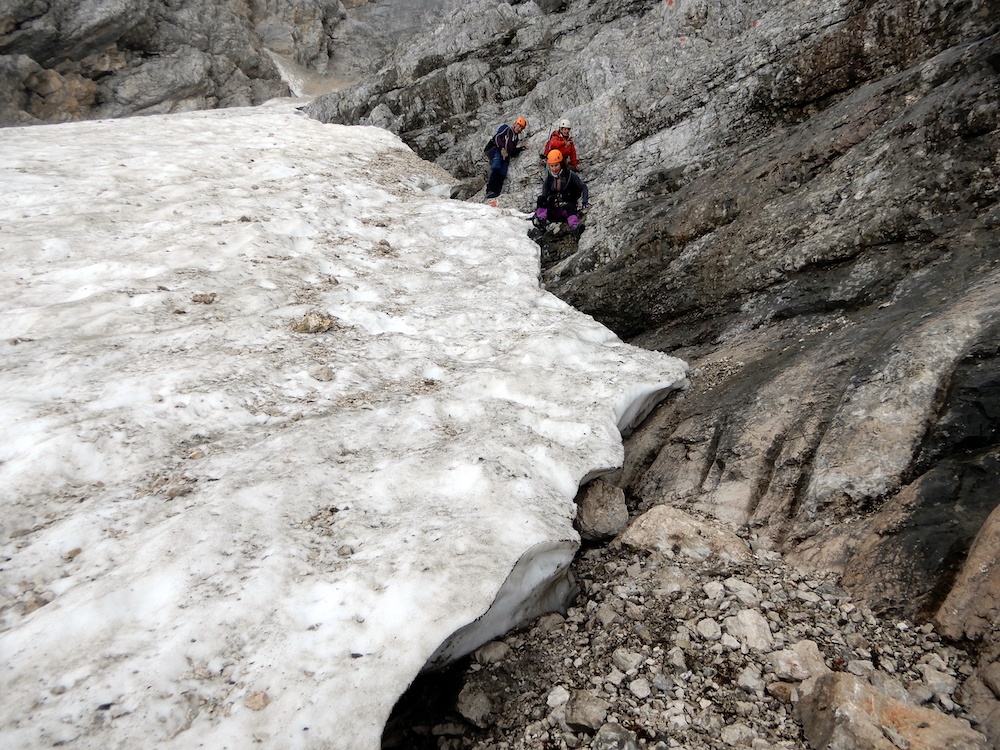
{"x": 564, "y": 123}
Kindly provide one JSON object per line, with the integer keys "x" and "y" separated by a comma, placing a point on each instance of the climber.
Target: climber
{"x": 562, "y": 140}
{"x": 500, "y": 149}
{"x": 562, "y": 190}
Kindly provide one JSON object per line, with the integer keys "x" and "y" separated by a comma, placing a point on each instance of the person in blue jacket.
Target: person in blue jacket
{"x": 564, "y": 196}
{"x": 501, "y": 150}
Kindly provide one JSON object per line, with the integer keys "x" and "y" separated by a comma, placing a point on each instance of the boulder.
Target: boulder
{"x": 845, "y": 713}
{"x": 602, "y": 512}
{"x": 972, "y": 607}
{"x": 673, "y": 532}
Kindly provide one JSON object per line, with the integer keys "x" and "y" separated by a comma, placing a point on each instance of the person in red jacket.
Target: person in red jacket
{"x": 563, "y": 141}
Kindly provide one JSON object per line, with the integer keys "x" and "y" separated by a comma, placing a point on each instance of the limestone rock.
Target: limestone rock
{"x": 614, "y": 737}
{"x": 750, "y": 628}
{"x": 972, "y": 607}
{"x": 845, "y": 713}
{"x": 991, "y": 677}
{"x": 108, "y": 59}
{"x": 802, "y": 663}
{"x": 475, "y": 706}
{"x": 602, "y": 511}
{"x": 674, "y": 532}
{"x": 585, "y": 711}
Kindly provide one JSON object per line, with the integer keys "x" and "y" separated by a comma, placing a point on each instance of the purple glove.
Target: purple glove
{"x": 542, "y": 214}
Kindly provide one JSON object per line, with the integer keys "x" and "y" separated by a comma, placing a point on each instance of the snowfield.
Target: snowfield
{"x": 277, "y": 420}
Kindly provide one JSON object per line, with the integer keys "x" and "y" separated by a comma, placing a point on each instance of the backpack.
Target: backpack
{"x": 491, "y": 144}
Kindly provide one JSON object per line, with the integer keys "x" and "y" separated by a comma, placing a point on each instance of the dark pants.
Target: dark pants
{"x": 498, "y": 173}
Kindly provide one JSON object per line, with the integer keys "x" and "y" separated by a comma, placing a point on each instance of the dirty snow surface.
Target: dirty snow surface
{"x": 277, "y": 419}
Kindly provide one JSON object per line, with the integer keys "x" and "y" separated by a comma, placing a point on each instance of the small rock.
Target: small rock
{"x": 750, "y": 627}
{"x": 550, "y": 622}
{"x": 558, "y": 696}
{"x": 738, "y": 735}
{"x": 750, "y": 679}
{"x": 937, "y": 681}
{"x": 178, "y": 489}
{"x": 675, "y": 658}
{"x": 313, "y": 322}
{"x": 798, "y": 663}
{"x": 493, "y": 651}
{"x": 322, "y": 373}
{"x": 475, "y": 707}
{"x": 606, "y": 616}
{"x": 709, "y": 629}
{"x": 860, "y": 667}
{"x": 614, "y": 737}
{"x": 781, "y": 690}
{"x": 714, "y": 590}
{"x": 585, "y": 711}
{"x": 602, "y": 513}
{"x": 746, "y": 593}
{"x": 640, "y": 688}
{"x": 626, "y": 660}
{"x": 669, "y": 530}
{"x": 257, "y": 700}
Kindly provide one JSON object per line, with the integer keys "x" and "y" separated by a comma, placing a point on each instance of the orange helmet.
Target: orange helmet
{"x": 555, "y": 156}
{"x": 521, "y": 121}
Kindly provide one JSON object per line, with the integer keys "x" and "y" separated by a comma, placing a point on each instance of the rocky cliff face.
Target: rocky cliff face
{"x": 68, "y": 60}
{"x": 799, "y": 198}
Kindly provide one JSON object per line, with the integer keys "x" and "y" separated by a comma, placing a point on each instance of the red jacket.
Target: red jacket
{"x": 565, "y": 145}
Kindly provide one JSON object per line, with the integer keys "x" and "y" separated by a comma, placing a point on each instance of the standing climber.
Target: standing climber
{"x": 562, "y": 140}
{"x": 500, "y": 150}
{"x": 562, "y": 190}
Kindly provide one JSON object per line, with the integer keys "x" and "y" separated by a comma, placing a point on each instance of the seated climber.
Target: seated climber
{"x": 562, "y": 191}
